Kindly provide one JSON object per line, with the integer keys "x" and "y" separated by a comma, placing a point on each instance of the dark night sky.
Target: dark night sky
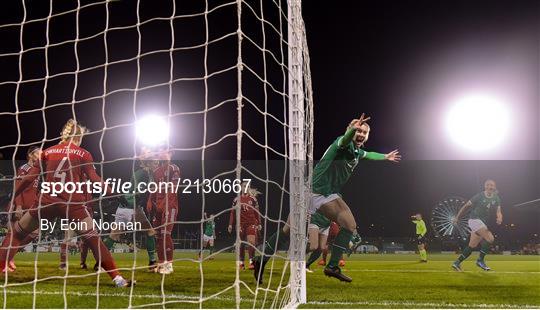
{"x": 401, "y": 62}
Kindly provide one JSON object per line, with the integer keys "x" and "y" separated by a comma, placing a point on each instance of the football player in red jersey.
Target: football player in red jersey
{"x": 163, "y": 207}
{"x": 250, "y": 221}
{"x": 27, "y": 199}
{"x": 64, "y": 162}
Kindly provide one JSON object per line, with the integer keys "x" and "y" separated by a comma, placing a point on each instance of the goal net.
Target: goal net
{"x": 224, "y": 84}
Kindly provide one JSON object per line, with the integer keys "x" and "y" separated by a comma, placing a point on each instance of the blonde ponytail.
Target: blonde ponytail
{"x": 253, "y": 192}
{"x": 71, "y": 130}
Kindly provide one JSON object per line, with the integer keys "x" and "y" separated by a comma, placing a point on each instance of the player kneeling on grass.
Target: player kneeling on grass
{"x": 421, "y": 231}
{"x": 163, "y": 207}
{"x": 481, "y": 204}
{"x": 64, "y": 162}
{"x": 209, "y": 234}
{"x": 250, "y": 222}
{"x": 329, "y": 176}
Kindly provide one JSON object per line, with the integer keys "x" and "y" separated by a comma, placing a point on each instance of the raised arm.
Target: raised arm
{"x": 351, "y": 131}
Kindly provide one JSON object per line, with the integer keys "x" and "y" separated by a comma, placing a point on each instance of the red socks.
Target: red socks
{"x": 98, "y": 248}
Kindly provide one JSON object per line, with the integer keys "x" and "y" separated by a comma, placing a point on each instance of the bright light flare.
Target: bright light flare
{"x": 478, "y": 122}
{"x": 152, "y": 130}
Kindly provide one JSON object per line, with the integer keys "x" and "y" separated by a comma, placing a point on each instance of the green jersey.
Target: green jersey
{"x": 481, "y": 204}
{"x": 140, "y": 175}
{"x": 420, "y": 227}
{"x": 320, "y": 220}
{"x": 337, "y": 164}
{"x": 209, "y": 228}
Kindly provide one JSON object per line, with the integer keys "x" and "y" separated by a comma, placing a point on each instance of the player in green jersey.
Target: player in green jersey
{"x": 421, "y": 231}
{"x": 480, "y": 206}
{"x": 209, "y": 234}
{"x": 329, "y": 176}
{"x": 133, "y": 206}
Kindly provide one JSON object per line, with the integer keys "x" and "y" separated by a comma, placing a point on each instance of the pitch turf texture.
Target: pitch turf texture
{"x": 379, "y": 281}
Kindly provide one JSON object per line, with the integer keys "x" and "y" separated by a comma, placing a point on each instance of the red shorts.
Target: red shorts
{"x": 248, "y": 230}
{"x": 165, "y": 219}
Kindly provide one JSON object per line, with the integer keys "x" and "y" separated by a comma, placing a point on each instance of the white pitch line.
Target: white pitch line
{"x": 421, "y": 304}
{"x": 189, "y": 298}
{"x": 438, "y": 271}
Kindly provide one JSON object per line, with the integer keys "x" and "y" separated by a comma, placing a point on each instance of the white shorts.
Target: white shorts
{"x": 317, "y": 200}
{"x": 206, "y": 238}
{"x": 124, "y": 215}
{"x": 322, "y": 231}
{"x": 476, "y": 224}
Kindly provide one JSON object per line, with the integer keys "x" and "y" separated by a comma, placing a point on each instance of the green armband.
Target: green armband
{"x": 374, "y": 156}
{"x": 347, "y": 137}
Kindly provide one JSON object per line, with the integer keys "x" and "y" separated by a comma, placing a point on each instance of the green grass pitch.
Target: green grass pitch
{"x": 379, "y": 281}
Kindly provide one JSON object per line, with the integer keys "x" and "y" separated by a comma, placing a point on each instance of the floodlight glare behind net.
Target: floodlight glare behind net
{"x": 443, "y": 215}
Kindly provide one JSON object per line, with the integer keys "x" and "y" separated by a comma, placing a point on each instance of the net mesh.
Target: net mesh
{"x": 231, "y": 80}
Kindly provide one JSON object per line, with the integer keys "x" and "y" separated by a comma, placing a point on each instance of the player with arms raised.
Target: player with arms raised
{"x": 64, "y": 162}
{"x": 329, "y": 176}
{"x": 481, "y": 204}
{"x": 163, "y": 207}
{"x": 250, "y": 221}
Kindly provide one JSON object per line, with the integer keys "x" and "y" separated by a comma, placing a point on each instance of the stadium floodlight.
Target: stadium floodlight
{"x": 478, "y": 122}
{"x": 152, "y": 130}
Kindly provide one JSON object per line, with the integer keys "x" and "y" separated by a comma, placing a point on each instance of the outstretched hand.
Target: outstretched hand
{"x": 393, "y": 156}
{"x": 359, "y": 122}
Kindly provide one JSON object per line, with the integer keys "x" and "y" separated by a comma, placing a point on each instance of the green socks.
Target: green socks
{"x": 423, "y": 255}
{"x": 484, "y": 249}
{"x": 151, "y": 248}
{"x": 341, "y": 243}
{"x": 313, "y": 257}
{"x": 211, "y": 249}
{"x": 466, "y": 253}
{"x": 109, "y": 242}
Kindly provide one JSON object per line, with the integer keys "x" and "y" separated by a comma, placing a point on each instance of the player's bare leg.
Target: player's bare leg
{"x": 317, "y": 241}
{"x": 14, "y": 240}
{"x": 251, "y": 239}
{"x": 339, "y": 212}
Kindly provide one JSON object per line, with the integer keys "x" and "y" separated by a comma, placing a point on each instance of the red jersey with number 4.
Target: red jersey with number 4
{"x": 166, "y": 178}
{"x": 249, "y": 210}
{"x": 63, "y": 163}
{"x": 29, "y": 196}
